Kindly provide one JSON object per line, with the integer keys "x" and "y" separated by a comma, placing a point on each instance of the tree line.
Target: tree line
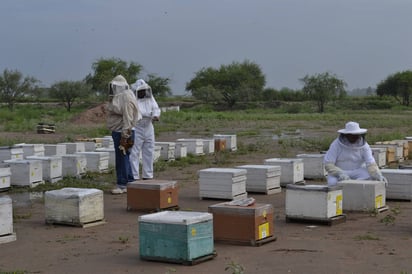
{"x": 228, "y": 85}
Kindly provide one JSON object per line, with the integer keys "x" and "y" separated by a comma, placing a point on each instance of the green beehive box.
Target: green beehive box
{"x": 176, "y": 236}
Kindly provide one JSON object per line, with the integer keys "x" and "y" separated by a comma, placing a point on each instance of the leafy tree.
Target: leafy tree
{"x": 160, "y": 86}
{"x": 235, "y": 82}
{"x": 104, "y": 70}
{"x": 398, "y": 85}
{"x": 14, "y": 87}
{"x": 323, "y": 88}
{"x": 68, "y": 92}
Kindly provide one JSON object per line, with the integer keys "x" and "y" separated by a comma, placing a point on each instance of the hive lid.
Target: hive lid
{"x": 322, "y": 188}
{"x": 176, "y": 217}
{"x": 311, "y": 155}
{"x": 407, "y": 171}
{"x": 153, "y": 184}
{"x": 257, "y": 209}
{"x": 283, "y": 160}
{"x": 216, "y": 170}
{"x": 260, "y": 167}
{"x": 72, "y": 192}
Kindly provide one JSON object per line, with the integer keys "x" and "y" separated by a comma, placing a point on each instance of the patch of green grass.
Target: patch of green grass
{"x": 366, "y": 237}
{"x": 235, "y": 268}
{"x": 124, "y": 239}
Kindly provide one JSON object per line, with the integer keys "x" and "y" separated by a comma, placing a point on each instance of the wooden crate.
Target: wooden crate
{"x": 152, "y": 195}
{"x": 249, "y": 225}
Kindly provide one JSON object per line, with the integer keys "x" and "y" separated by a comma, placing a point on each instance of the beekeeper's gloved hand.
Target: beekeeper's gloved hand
{"x": 376, "y": 174}
{"x": 343, "y": 177}
{"x": 334, "y": 171}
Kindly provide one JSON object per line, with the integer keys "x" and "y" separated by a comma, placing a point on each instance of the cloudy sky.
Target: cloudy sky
{"x": 361, "y": 41}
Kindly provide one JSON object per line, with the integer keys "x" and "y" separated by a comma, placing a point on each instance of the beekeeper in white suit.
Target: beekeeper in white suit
{"x": 144, "y": 131}
{"x": 350, "y": 157}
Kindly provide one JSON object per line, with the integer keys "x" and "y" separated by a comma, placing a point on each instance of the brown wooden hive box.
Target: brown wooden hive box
{"x": 152, "y": 195}
{"x": 242, "y": 224}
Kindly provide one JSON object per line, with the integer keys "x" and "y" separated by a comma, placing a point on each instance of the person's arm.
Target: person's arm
{"x": 155, "y": 109}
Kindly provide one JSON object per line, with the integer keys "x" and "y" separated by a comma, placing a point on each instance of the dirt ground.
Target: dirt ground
{"x": 364, "y": 243}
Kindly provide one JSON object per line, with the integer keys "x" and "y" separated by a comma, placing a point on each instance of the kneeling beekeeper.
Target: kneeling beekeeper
{"x": 350, "y": 157}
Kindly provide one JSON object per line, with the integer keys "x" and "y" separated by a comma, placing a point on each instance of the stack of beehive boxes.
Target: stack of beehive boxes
{"x": 262, "y": 178}
{"x": 292, "y": 169}
{"x": 222, "y": 183}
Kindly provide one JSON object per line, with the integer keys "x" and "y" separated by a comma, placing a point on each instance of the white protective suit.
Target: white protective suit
{"x": 144, "y": 142}
{"x": 346, "y": 161}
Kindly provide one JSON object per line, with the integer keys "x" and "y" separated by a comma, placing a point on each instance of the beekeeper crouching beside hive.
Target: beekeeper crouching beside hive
{"x": 350, "y": 157}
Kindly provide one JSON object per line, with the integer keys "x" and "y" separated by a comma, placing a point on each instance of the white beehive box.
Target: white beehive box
{"x": 11, "y": 153}
{"x": 31, "y": 149}
{"x": 96, "y": 161}
{"x": 91, "y": 146}
{"x": 292, "y": 169}
{"x": 156, "y": 153}
{"x": 112, "y": 154}
{"x": 52, "y": 167}
{"x": 262, "y": 178}
{"x": 313, "y": 201}
{"x": 194, "y": 146}
{"x": 74, "y": 206}
{"x": 5, "y": 176}
{"x": 180, "y": 151}
{"x": 314, "y": 168}
{"x": 399, "y": 183}
{"x": 6, "y": 216}
{"x": 25, "y": 172}
{"x": 74, "y": 147}
{"x": 107, "y": 141}
{"x": 231, "y": 140}
{"x": 379, "y": 153}
{"x": 363, "y": 195}
{"x": 208, "y": 146}
{"x": 222, "y": 183}
{"x": 74, "y": 165}
{"x": 54, "y": 149}
{"x": 167, "y": 152}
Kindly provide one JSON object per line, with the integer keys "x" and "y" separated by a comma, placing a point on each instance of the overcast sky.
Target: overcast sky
{"x": 361, "y": 41}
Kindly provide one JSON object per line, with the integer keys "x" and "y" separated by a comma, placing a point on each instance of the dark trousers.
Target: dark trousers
{"x": 123, "y": 169}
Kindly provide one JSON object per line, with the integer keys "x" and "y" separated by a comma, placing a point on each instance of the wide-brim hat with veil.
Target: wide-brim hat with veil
{"x": 352, "y": 128}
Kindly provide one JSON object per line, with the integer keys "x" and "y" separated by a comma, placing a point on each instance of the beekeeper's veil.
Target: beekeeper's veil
{"x": 142, "y": 85}
{"x": 118, "y": 85}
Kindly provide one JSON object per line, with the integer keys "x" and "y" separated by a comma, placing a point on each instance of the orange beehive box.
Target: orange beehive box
{"x": 152, "y": 195}
{"x": 250, "y": 225}
{"x": 220, "y": 144}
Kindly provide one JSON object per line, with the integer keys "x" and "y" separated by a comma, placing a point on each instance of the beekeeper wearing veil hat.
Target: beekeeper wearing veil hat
{"x": 350, "y": 157}
{"x": 122, "y": 115}
{"x": 144, "y": 142}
